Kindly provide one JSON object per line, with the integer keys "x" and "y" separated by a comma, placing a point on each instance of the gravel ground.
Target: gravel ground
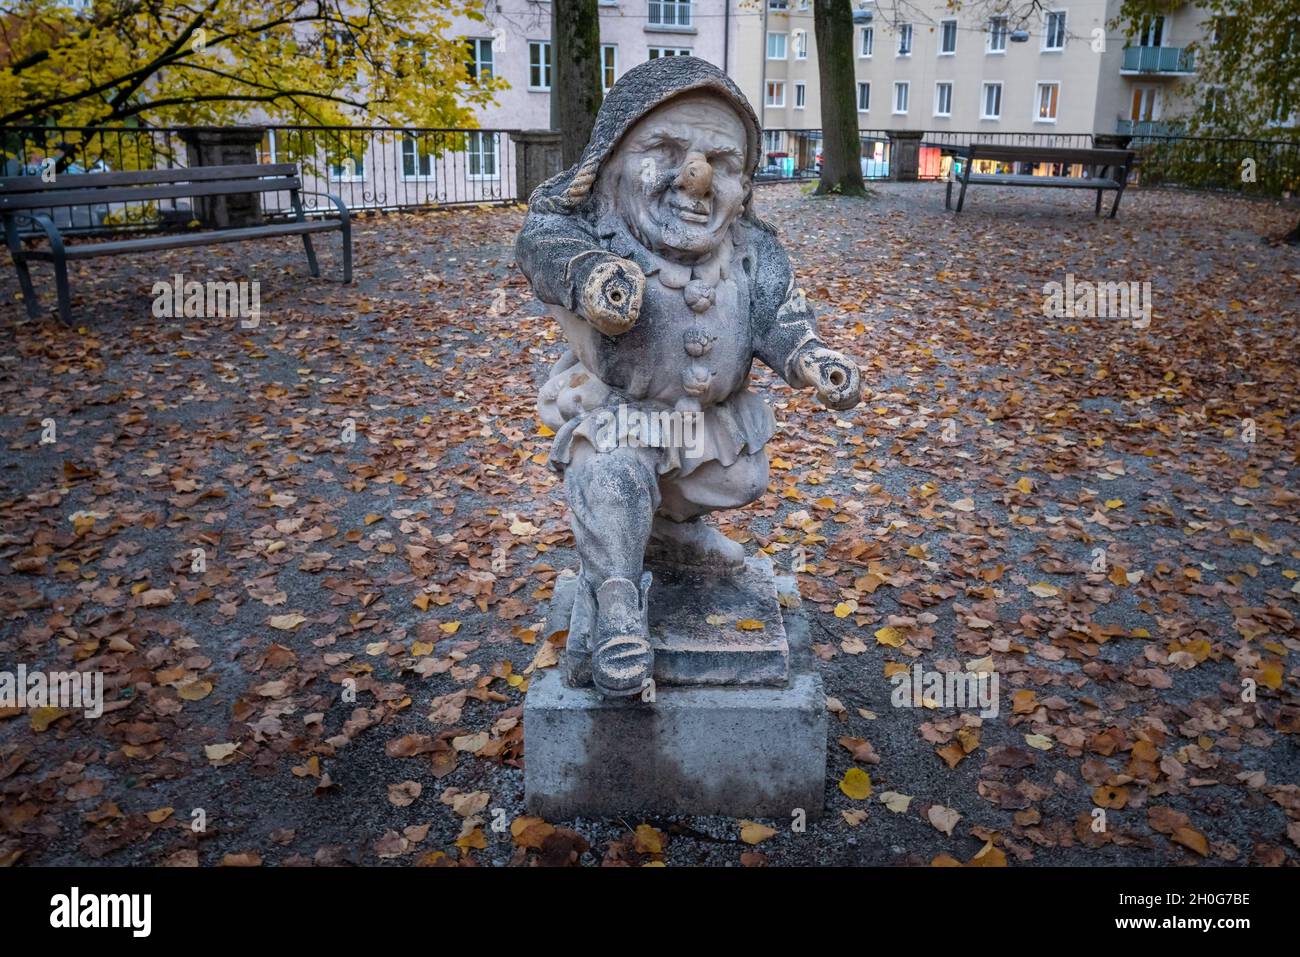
{"x": 997, "y": 451}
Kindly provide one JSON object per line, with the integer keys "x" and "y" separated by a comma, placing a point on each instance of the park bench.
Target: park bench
{"x": 26, "y": 199}
{"x": 1106, "y": 169}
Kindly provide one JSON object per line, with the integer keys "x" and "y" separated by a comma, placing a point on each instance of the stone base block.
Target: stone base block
{"x": 735, "y": 751}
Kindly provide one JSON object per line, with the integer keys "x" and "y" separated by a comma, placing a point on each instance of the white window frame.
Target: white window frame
{"x": 1047, "y": 30}
{"x": 481, "y": 44}
{"x": 1038, "y": 94}
{"x": 800, "y": 95}
{"x": 421, "y": 162}
{"x": 544, "y": 66}
{"x": 476, "y": 140}
{"x": 864, "y": 86}
{"x": 654, "y": 53}
{"x": 984, "y": 99}
{"x": 937, "y": 87}
{"x": 671, "y": 13}
{"x": 905, "y": 39}
{"x": 778, "y": 39}
{"x": 774, "y": 86}
{"x": 943, "y": 27}
{"x": 799, "y": 41}
{"x": 998, "y": 27}
{"x": 605, "y": 65}
{"x": 867, "y": 41}
{"x": 906, "y": 87}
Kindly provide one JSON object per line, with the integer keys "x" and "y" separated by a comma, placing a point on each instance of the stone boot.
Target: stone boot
{"x": 621, "y": 654}
{"x": 694, "y": 544}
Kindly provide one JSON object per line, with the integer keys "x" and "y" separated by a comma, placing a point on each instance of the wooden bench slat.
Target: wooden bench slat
{"x": 185, "y": 240}
{"x": 145, "y": 177}
{"x": 1064, "y": 182}
{"x": 129, "y": 194}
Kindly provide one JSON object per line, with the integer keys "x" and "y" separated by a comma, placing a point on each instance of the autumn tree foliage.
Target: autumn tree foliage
{"x": 156, "y": 62}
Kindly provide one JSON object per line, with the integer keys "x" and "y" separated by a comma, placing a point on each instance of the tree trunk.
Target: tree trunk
{"x": 841, "y": 144}
{"x": 575, "y": 73}
{"x": 1293, "y": 237}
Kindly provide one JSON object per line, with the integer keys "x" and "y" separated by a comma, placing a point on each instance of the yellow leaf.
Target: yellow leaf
{"x": 545, "y": 431}
{"x": 898, "y": 803}
{"x": 195, "y": 690}
{"x": 421, "y": 648}
{"x": 421, "y": 602}
{"x": 856, "y": 783}
{"x": 286, "y": 622}
{"x": 373, "y": 517}
{"x": 846, "y": 608}
{"x": 160, "y": 815}
{"x": 749, "y": 624}
{"x": 1039, "y": 741}
{"x": 42, "y": 718}
{"x": 1114, "y": 503}
{"x": 449, "y": 627}
{"x": 647, "y": 840}
{"x": 1025, "y": 484}
{"x": 891, "y": 636}
{"x": 1044, "y": 590}
{"x": 751, "y": 832}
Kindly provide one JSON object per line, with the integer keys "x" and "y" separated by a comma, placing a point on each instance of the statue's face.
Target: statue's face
{"x": 678, "y": 177}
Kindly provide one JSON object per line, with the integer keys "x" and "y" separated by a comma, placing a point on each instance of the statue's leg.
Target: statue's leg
{"x": 612, "y": 498}
{"x": 680, "y": 537}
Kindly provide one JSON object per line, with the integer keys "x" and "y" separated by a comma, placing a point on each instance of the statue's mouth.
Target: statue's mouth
{"x": 697, "y": 213}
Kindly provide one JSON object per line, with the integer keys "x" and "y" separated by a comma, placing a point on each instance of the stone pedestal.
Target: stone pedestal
{"x": 756, "y": 749}
{"x": 224, "y": 146}
{"x": 538, "y": 157}
{"x": 905, "y": 154}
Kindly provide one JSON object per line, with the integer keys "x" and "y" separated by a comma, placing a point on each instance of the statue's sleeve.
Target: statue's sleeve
{"x": 557, "y": 253}
{"x": 780, "y": 317}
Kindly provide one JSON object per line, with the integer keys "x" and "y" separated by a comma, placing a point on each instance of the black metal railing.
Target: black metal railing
{"x": 797, "y": 155}
{"x": 1249, "y": 166}
{"x": 381, "y": 168}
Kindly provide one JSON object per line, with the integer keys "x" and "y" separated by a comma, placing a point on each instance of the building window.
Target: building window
{"x": 775, "y": 93}
{"x": 996, "y": 41}
{"x": 482, "y": 154}
{"x": 1153, "y": 32}
{"x": 864, "y": 97}
{"x": 480, "y": 58}
{"x": 868, "y": 41}
{"x": 778, "y": 4}
{"x": 1054, "y": 37}
{"x": 670, "y": 13}
{"x": 800, "y": 44}
{"x": 340, "y": 47}
{"x": 657, "y": 52}
{"x": 608, "y": 65}
{"x": 947, "y": 37}
{"x": 539, "y": 65}
{"x": 991, "y": 102}
{"x": 943, "y": 99}
{"x": 900, "y": 97}
{"x": 1045, "y": 99}
{"x": 800, "y": 95}
{"x": 416, "y": 163}
{"x": 776, "y": 46}
{"x": 905, "y": 40}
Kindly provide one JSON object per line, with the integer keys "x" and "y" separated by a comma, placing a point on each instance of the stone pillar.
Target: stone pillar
{"x": 538, "y": 157}
{"x": 224, "y": 146}
{"x": 905, "y": 154}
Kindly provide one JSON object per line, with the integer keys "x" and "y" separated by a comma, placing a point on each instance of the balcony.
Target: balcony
{"x": 1158, "y": 61}
{"x": 1149, "y": 127}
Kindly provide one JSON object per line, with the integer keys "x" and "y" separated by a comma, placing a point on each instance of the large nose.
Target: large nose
{"x": 695, "y": 177}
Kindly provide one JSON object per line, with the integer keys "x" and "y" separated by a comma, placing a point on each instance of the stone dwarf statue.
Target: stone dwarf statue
{"x": 667, "y": 286}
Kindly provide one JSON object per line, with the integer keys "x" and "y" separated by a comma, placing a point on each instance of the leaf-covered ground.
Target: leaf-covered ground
{"x": 955, "y": 517}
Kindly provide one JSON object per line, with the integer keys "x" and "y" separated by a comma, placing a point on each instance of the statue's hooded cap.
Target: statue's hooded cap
{"x": 640, "y": 90}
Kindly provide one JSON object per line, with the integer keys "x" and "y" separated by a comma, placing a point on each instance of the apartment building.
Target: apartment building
{"x": 921, "y": 66}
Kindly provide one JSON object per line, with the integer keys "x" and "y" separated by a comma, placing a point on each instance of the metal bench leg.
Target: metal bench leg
{"x": 965, "y": 181}
{"x": 346, "y": 230}
{"x": 25, "y": 283}
{"x": 1115, "y": 208}
{"x": 312, "y": 265}
{"x": 1097, "y": 211}
{"x": 947, "y": 193}
{"x": 61, "y": 282}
